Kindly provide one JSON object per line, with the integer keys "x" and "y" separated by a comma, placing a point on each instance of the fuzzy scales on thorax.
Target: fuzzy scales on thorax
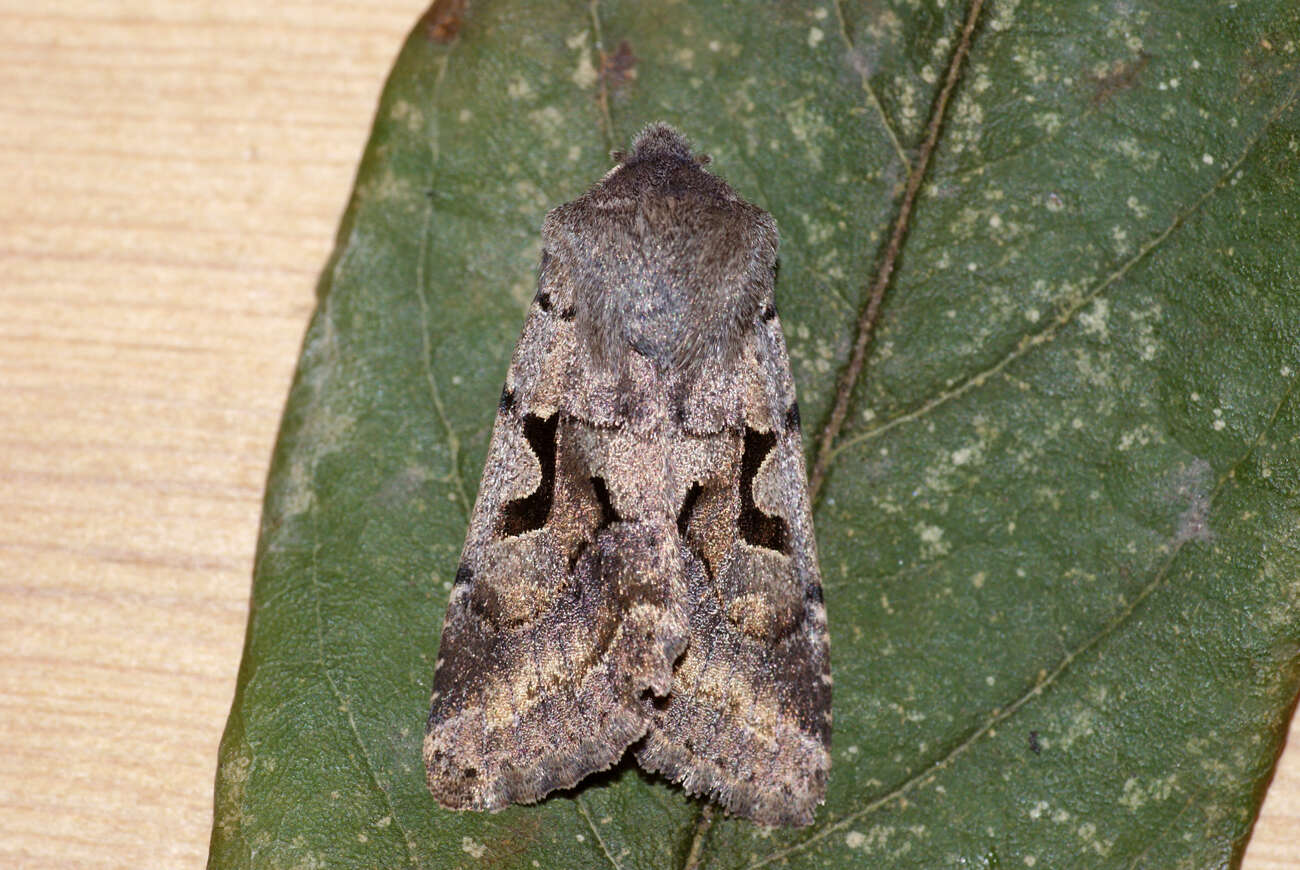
{"x": 666, "y": 259}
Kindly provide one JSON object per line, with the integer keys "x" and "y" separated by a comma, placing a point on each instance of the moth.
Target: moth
{"x": 640, "y": 570}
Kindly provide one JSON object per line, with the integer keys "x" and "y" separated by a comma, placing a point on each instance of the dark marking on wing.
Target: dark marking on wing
{"x": 792, "y": 417}
{"x": 768, "y": 313}
{"x": 545, "y": 303}
{"x": 507, "y": 402}
{"x": 530, "y": 512}
{"x": 688, "y": 508}
{"x": 607, "y": 512}
{"x": 756, "y": 527}
{"x": 464, "y": 574}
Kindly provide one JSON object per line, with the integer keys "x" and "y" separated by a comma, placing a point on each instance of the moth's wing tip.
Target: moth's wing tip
{"x": 791, "y": 803}
{"x": 462, "y": 778}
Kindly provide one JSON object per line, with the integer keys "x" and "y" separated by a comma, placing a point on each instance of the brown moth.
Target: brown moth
{"x": 640, "y": 570}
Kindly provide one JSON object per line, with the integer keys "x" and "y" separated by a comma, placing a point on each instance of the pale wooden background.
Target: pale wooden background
{"x": 171, "y": 174}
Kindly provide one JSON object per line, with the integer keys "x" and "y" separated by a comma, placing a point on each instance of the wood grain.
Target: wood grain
{"x": 171, "y": 175}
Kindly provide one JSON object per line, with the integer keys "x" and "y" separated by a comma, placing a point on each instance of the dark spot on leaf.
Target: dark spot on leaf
{"x": 443, "y": 20}
{"x": 1122, "y": 77}
{"x": 617, "y": 69}
{"x": 1034, "y": 746}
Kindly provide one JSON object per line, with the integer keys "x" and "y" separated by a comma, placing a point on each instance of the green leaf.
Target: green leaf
{"x": 1061, "y": 527}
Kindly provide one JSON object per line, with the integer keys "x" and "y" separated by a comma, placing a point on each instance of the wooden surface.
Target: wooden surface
{"x": 171, "y": 175}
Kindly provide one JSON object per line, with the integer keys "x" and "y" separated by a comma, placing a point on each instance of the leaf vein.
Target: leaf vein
{"x": 602, "y": 96}
{"x": 1000, "y": 714}
{"x": 866, "y": 326}
{"x": 586, "y": 817}
{"x": 342, "y": 702}
{"x": 1043, "y": 336}
{"x": 872, "y": 96}
{"x": 426, "y": 358}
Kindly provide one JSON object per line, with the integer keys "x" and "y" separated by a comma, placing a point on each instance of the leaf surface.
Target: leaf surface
{"x": 1060, "y": 527}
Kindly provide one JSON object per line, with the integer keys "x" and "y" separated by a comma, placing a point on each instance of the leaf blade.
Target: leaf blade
{"x": 386, "y": 427}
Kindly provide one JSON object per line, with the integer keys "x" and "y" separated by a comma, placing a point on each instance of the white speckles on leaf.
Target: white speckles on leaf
{"x": 1003, "y": 15}
{"x": 908, "y": 103}
{"x": 932, "y": 543}
{"x": 408, "y": 114}
{"x": 1081, "y": 725}
{"x": 1119, "y": 237}
{"x": 810, "y": 129}
{"x": 885, "y": 27}
{"x": 472, "y": 847}
{"x": 550, "y": 123}
{"x": 1095, "y": 320}
{"x": 392, "y": 189}
{"x": 1049, "y": 122}
{"x": 1136, "y": 795}
{"x": 1142, "y": 159}
{"x": 584, "y": 75}
{"x": 1088, "y": 833}
{"x": 519, "y": 88}
{"x": 968, "y": 123}
{"x": 1194, "y": 484}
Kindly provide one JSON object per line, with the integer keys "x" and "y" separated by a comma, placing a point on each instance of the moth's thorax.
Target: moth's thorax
{"x": 663, "y": 259}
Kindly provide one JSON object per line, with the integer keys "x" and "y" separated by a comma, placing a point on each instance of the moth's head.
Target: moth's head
{"x": 661, "y": 162}
{"x": 659, "y": 196}
{"x": 660, "y": 142}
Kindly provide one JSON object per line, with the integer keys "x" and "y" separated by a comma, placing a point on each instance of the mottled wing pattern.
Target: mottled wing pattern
{"x": 567, "y": 606}
{"x": 748, "y": 719}
{"x": 640, "y": 569}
